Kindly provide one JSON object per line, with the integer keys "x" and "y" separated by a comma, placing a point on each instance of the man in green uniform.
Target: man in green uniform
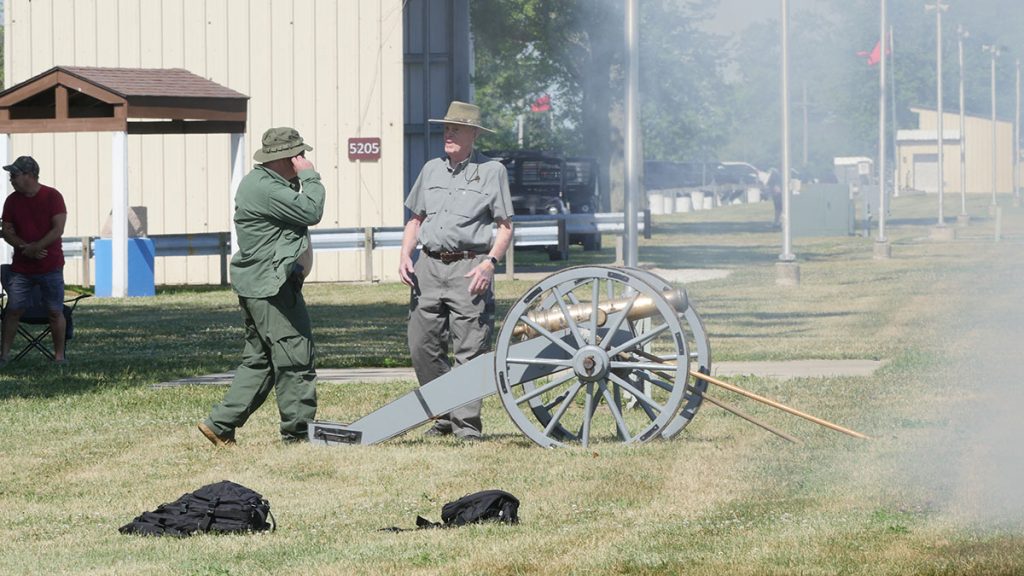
{"x": 455, "y": 203}
{"x": 274, "y": 206}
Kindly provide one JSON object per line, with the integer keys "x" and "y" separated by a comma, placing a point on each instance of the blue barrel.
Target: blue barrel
{"x": 140, "y": 267}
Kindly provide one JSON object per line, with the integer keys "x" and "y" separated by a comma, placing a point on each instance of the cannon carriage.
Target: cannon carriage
{"x": 590, "y": 353}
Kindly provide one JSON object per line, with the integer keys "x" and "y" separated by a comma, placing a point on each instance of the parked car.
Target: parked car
{"x": 734, "y": 178}
{"x": 740, "y": 173}
{"x": 663, "y": 175}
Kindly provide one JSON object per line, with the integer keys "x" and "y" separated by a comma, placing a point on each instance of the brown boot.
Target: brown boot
{"x": 226, "y": 440}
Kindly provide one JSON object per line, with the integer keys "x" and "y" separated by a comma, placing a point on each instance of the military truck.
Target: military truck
{"x": 582, "y": 193}
{"x": 545, "y": 183}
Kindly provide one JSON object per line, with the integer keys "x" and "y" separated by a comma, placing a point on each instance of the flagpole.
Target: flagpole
{"x": 632, "y": 176}
{"x": 1016, "y": 142}
{"x": 963, "y": 219}
{"x": 787, "y": 269}
{"x": 895, "y": 118}
{"x": 994, "y": 51}
{"x": 939, "y": 7}
{"x": 787, "y": 242}
{"x": 882, "y": 248}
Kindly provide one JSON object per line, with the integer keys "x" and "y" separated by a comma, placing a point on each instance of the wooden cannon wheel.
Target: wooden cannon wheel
{"x": 585, "y": 324}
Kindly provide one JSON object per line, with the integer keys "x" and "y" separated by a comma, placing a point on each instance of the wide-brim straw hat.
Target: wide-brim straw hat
{"x": 280, "y": 143}
{"x": 462, "y": 113}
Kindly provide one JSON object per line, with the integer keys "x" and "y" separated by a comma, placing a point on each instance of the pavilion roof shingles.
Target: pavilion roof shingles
{"x": 155, "y": 82}
{"x": 149, "y": 97}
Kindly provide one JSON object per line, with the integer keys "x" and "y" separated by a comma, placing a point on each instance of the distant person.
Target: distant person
{"x": 455, "y": 203}
{"x": 774, "y": 187}
{"x": 275, "y": 204}
{"x": 33, "y": 222}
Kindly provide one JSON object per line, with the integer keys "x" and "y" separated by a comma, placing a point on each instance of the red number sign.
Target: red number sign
{"x": 364, "y": 148}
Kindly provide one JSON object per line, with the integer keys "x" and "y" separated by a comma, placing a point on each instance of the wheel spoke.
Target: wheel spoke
{"x": 541, "y": 362}
{"x": 620, "y": 319}
{"x": 560, "y": 298}
{"x": 643, "y": 366}
{"x": 547, "y": 334}
{"x": 647, "y": 409}
{"x": 594, "y": 301}
{"x": 588, "y": 414}
{"x": 639, "y": 395}
{"x": 570, "y": 394}
{"x": 550, "y": 385}
{"x": 616, "y": 413}
{"x": 659, "y": 383}
{"x": 640, "y": 339}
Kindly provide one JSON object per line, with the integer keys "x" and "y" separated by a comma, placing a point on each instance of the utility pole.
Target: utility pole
{"x": 939, "y": 8}
{"x": 963, "y": 218}
{"x": 994, "y": 51}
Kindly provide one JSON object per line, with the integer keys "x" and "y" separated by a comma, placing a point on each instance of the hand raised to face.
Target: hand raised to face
{"x": 300, "y": 163}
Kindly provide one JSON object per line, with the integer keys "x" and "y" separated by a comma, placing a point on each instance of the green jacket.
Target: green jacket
{"x": 272, "y": 217}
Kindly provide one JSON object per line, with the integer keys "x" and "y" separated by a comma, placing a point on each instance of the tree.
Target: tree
{"x": 575, "y": 51}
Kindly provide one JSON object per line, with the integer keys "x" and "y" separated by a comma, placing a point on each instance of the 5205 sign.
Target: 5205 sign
{"x": 364, "y": 148}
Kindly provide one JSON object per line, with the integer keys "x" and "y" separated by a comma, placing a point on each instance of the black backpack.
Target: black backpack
{"x": 494, "y": 505}
{"x": 474, "y": 508}
{"x": 221, "y": 507}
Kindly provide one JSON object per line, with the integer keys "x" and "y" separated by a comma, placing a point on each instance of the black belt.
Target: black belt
{"x": 449, "y": 257}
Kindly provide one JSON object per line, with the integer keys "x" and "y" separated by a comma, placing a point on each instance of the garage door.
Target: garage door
{"x": 926, "y": 172}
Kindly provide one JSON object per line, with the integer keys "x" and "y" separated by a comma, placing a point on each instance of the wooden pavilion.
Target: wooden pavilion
{"x": 124, "y": 101}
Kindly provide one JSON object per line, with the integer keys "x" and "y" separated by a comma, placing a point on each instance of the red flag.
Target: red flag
{"x": 541, "y": 104}
{"x": 875, "y": 56}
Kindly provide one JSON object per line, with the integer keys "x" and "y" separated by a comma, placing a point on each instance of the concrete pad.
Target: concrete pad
{"x": 783, "y": 370}
{"x": 787, "y": 274}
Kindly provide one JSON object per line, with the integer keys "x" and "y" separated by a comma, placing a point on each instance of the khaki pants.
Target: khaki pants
{"x": 441, "y": 307}
{"x": 278, "y": 355}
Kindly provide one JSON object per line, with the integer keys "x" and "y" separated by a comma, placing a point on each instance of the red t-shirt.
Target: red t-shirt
{"x": 32, "y": 219}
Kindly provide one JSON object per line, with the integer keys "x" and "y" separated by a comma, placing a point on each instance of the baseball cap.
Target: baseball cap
{"x": 23, "y": 165}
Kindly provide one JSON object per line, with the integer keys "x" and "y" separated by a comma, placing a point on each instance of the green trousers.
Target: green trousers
{"x": 278, "y": 355}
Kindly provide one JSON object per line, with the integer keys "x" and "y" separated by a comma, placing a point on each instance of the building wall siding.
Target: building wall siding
{"x": 977, "y": 158}
{"x": 333, "y": 70}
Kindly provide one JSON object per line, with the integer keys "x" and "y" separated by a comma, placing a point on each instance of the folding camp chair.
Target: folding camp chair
{"x": 36, "y": 315}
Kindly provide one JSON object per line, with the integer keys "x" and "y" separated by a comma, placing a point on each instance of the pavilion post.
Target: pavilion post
{"x": 5, "y": 156}
{"x": 119, "y": 215}
{"x": 237, "y": 172}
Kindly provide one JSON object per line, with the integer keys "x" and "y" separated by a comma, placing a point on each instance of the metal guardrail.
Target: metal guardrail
{"x": 533, "y": 230}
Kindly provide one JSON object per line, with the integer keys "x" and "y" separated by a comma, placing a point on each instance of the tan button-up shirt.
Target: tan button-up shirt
{"x": 460, "y": 204}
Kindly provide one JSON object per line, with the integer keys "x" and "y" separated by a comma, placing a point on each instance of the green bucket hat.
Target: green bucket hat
{"x": 462, "y": 113}
{"x": 280, "y": 143}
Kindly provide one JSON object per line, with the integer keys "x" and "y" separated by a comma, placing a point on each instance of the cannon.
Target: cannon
{"x": 590, "y": 353}
{"x": 568, "y": 368}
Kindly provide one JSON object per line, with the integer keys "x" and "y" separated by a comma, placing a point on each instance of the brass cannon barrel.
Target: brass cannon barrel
{"x": 554, "y": 320}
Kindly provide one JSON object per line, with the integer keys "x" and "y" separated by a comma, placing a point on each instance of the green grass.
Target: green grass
{"x": 85, "y": 448}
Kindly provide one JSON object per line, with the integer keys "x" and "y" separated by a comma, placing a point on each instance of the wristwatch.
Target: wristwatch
{"x": 494, "y": 261}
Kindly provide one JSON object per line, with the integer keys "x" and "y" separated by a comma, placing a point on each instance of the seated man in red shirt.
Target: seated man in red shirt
{"x": 33, "y": 221}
